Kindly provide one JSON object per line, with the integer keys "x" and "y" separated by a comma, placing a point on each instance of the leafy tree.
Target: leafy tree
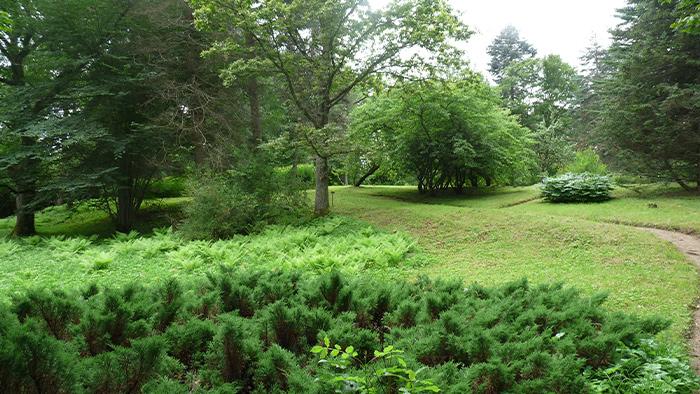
{"x": 448, "y": 134}
{"x": 653, "y": 97}
{"x": 508, "y": 48}
{"x": 544, "y": 93}
{"x": 324, "y": 49}
{"x": 689, "y": 15}
{"x": 42, "y": 56}
{"x": 5, "y": 22}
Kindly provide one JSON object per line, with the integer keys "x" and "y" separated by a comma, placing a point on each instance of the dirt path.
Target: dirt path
{"x": 690, "y": 246}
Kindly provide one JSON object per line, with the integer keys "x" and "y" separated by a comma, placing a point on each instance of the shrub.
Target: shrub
{"x": 169, "y": 186}
{"x": 514, "y": 338}
{"x": 242, "y": 202}
{"x": 586, "y": 161}
{"x": 577, "y": 188}
{"x": 304, "y": 174}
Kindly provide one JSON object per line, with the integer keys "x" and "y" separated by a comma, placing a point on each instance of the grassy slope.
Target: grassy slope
{"x": 481, "y": 242}
{"x": 675, "y": 209}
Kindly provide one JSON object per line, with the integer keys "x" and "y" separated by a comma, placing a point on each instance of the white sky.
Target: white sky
{"x": 563, "y": 27}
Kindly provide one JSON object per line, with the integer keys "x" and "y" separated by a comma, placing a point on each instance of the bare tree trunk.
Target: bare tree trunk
{"x": 368, "y": 174}
{"x": 25, "y": 224}
{"x": 126, "y": 214}
{"x": 252, "y": 90}
{"x": 25, "y": 175}
{"x": 321, "y": 205}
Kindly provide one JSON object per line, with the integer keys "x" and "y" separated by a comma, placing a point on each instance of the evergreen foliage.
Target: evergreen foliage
{"x": 515, "y": 338}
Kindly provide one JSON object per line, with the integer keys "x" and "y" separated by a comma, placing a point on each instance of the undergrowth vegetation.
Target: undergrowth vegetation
{"x": 577, "y": 188}
{"x": 324, "y": 244}
{"x": 254, "y": 331}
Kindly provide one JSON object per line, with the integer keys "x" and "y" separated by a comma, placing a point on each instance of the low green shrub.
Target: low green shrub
{"x": 169, "y": 186}
{"x": 577, "y": 188}
{"x": 243, "y": 202}
{"x": 276, "y": 331}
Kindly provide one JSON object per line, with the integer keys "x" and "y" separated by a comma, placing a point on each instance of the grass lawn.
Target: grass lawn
{"x": 476, "y": 239}
{"x": 490, "y": 238}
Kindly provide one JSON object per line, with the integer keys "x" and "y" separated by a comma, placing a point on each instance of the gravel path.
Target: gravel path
{"x": 690, "y": 246}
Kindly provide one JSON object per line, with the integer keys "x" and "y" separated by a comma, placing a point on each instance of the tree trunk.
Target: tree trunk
{"x": 252, "y": 90}
{"x": 25, "y": 179}
{"x": 25, "y": 225}
{"x": 322, "y": 175}
{"x": 126, "y": 212}
{"x": 368, "y": 174}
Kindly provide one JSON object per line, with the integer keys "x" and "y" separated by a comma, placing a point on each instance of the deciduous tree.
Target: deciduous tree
{"x": 323, "y": 49}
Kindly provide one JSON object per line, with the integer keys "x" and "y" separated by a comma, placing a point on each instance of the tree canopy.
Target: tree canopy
{"x": 449, "y": 134}
{"x": 322, "y": 50}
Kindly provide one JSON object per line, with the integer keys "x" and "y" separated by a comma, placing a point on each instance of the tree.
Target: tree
{"x": 544, "y": 93}
{"x": 688, "y": 15}
{"x": 5, "y": 22}
{"x": 324, "y": 49}
{"x": 449, "y": 134}
{"x": 125, "y": 96}
{"x": 652, "y": 100}
{"x": 44, "y": 52}
{"x": 507, "y": 48}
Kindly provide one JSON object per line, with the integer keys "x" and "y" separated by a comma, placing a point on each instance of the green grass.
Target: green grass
{"x": 668, "y": 208}
{"x": 481, "y": 242}
{"x": 86, "y": 220}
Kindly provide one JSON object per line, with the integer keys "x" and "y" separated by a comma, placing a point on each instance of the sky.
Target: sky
{"x": 563, "y": 27}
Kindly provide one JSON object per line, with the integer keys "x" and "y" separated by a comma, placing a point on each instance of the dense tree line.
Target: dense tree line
{"x": 102, "y": 98}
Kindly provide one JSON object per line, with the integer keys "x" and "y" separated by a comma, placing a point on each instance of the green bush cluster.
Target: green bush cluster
{"x": 242, "y": 202}
{"x": 254, "y": 332}
{"x": 577, "y": 188}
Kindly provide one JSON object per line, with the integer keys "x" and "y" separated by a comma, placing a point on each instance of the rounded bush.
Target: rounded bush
{"x": 577, "y": 188}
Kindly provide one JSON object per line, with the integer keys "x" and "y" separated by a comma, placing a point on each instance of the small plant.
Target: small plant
{"x": 649, "y": 368}
{"x": 577, "y": 188}
{"x": 386, "y": 368}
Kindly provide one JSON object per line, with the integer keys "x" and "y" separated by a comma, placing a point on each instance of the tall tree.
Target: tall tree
{"x": 652, "y": 100}
{"x": 45, "y": 48}
{"x": 544, "y": 94}
{"x": 324, "y": 49}
{"x": 508, "y": 48}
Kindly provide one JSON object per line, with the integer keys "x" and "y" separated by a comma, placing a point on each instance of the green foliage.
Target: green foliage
{"x": 386, "y": 365}
{"x": 650, "y": 100}
{"x": 543, "y": 93}
{"x": 586, "y": 161}
{"x": 577, "y": 188}
{"x": 169, "y": 186}
{"x": 332, "y": 243}
{"x": 304, "y": 174}
{"x": 649, "y": 368}
{"x": 513, "y": 338}
{"x": 242, "y": 201}
{"x": 448, "y": 134}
